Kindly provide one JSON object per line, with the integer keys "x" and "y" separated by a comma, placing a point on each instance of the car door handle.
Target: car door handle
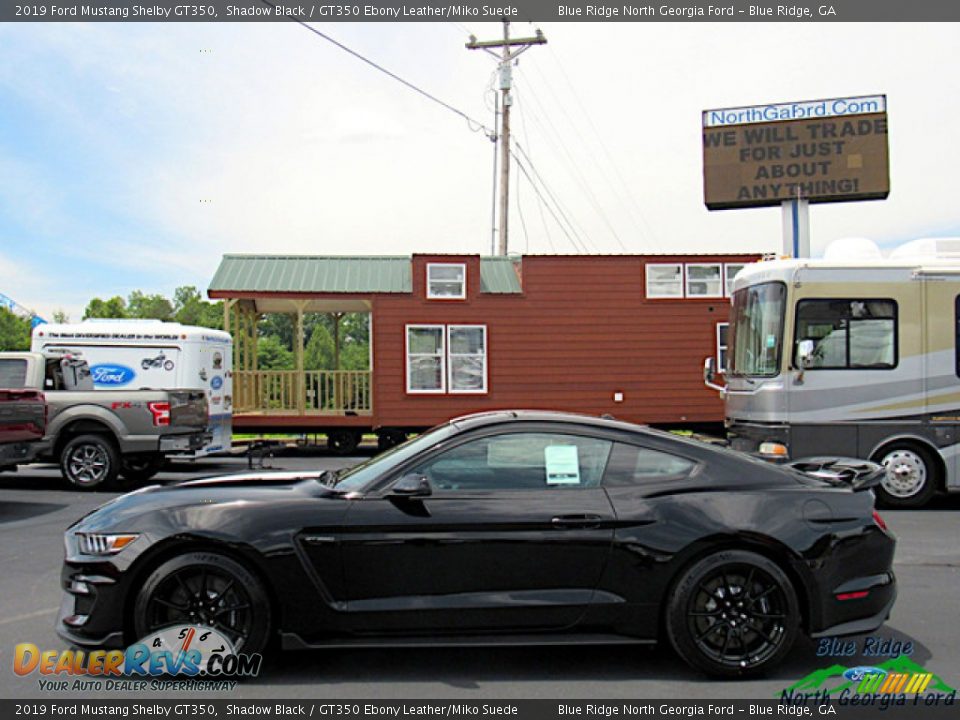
{"x": 576, "y": 521}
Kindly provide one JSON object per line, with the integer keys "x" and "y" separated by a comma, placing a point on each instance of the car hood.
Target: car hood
{"x": 254, "y": 492}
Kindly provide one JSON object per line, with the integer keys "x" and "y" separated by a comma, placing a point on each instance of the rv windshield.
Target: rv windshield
{"x": 756, "y": 329}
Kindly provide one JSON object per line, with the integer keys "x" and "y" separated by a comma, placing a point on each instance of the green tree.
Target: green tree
{"x": 273, "y": 355}
{"x": 115, "y": 307}
{"x": 60, "y": 316}
{"x": 155, "y": 307}
{"x": 189, "y": 308}
{"x": 318, "y": 355}
{"x": 14, "y": 331}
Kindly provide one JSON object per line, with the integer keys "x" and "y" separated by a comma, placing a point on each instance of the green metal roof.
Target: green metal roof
{"x": 350, "y": 275}
{"x": 498, "y": 275}
{"x": 312, "y": 273}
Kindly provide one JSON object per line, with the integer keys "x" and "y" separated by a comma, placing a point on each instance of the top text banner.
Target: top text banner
{"x": 464, "y": 10}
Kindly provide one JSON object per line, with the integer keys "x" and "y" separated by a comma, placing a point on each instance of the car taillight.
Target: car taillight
{"x": 160, "y": 412}
{"x": 879, "y": 521}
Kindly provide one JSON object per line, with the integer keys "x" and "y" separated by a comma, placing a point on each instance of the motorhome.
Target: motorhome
{"x": 150, "y": 354}
{"x": 856, "y": 356}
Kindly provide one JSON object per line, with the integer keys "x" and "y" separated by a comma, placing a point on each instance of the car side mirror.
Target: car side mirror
{"x": 412, "y": 485}
{"x": 804, "y": 354}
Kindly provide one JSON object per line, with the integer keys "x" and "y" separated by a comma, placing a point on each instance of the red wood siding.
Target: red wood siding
{"x": 581, "y": 331}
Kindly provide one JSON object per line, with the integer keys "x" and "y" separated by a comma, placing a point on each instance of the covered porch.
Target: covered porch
{"x": 297, "y": 391}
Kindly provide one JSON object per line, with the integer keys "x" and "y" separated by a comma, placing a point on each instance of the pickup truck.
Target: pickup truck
{"x": 96, "y": 435}
{"x": 23, "y": 420}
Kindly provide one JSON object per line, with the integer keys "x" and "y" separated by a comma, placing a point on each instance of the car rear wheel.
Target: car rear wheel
{"x": 911, "y": 476}
{"x": 89, "y": 461}
{"x": 209, "y": 589}
{"x": 733, "y": 613}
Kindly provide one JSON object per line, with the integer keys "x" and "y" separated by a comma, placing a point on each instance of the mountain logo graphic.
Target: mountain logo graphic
{"x": 897, "y": 675}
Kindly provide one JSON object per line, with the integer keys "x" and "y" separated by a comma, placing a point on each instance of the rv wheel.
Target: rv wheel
{"x": 911, "y": 478}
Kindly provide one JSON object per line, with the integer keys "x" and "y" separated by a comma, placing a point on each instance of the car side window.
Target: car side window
{"x": 520, "y": 461}
{"x": 634, "y": 465}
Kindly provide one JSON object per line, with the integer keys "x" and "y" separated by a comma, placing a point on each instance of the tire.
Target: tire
{"x": 173, "y": 595}
{"x": 912, "y": 476}
{"x": 343, "y": 442}
{"x": 140, "y": 468}
{"x": 733, "y": 614}
{"x": 90, "y": 461}
{"x": 389, "y": 438}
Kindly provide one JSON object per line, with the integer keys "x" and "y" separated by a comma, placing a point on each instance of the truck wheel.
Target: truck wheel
{"x": 911, "y": 478}
{"x": 89, "y": 461}
{"x": 140, "y": 468}
{"x": 343, "y": 442}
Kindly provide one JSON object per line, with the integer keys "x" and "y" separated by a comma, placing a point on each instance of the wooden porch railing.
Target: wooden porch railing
{"x": 333, "y": 392}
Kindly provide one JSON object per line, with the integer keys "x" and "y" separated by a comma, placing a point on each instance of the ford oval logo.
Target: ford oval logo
{"x": 857, "y": 673}
{"x": 111, "y": 375}
{"x": 217, "y": 382}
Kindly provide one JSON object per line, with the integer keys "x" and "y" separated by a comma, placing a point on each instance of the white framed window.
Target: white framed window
{"x": 722, "y": 329}
{"x": 467, "y": 366}
{"x": 446, "y": 281}
{"x": 729, "y": 271}
{"x": 704, "y": 280}
{"x": 426, "y": 359}
{"x": 664, "y": 280}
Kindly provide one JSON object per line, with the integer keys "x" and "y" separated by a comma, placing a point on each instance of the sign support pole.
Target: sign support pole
{"x": 796, "y": 227}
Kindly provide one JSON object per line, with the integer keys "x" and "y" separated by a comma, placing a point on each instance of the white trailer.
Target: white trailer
{"x": 138, "y": 354}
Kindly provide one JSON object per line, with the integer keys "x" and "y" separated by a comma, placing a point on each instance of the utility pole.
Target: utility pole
{"x": 511, "y": 48}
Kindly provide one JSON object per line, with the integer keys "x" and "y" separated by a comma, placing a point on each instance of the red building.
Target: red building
{"x": 452, "y": 334}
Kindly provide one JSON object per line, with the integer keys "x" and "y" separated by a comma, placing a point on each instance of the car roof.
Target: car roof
{"x": 495, "y": 417}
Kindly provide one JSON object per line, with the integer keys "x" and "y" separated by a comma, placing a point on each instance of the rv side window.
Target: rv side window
{"x": 849, "y": 334}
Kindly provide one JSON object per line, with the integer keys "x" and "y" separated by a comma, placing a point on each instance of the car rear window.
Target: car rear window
{"x": 13, "y": 373}
{"x": 635, "y": 465}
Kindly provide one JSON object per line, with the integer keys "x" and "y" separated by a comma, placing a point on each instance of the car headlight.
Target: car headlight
{"x": 102, "y": 543}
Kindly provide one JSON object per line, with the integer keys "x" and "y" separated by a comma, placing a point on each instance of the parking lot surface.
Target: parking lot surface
{"x": 36, "y": 507}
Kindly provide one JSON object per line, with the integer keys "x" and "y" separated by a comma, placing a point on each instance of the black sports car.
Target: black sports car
{"x": 499, "y": 528}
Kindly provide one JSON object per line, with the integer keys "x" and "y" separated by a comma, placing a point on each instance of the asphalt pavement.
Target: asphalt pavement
{"x": 36, "y": 507}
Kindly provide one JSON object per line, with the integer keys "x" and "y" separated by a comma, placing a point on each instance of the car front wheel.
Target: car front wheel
{"x": 733, "y": 613}
{"x": 209, "y": 589}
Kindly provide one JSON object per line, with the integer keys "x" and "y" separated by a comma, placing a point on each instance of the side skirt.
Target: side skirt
{"x": 292, "y": 641}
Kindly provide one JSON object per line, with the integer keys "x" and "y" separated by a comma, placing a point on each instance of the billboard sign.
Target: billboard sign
{"x": 820, "y": 150}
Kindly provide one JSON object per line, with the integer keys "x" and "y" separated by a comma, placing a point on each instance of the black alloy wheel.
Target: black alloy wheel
{"x": 734, "y": 613}
{"x": 208, "y": 589}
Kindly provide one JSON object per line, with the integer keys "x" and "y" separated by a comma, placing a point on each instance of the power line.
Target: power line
{"x": 474, "y": 125}
{"x": 575, "y": 171}
{"x": 578, "y": 242}
{"x": 526, "y": 140}
{"x": 651, "y": 235}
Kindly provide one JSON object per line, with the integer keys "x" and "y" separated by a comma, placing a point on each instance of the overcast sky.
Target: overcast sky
{"x": 132, "y": 156}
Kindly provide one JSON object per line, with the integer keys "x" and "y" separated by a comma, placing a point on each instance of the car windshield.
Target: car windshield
{"x": 756, "y": 330}
{"x": 360, "y": 476}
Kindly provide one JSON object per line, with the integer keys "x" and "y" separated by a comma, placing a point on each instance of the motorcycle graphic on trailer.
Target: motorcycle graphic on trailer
{"x": 160, "y": 361}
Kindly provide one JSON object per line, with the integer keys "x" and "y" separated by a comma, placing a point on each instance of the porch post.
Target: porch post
{"x": 298, "y": 346}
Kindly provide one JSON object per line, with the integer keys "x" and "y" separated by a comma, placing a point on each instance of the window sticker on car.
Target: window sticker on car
{"x": 563, "y": 464}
